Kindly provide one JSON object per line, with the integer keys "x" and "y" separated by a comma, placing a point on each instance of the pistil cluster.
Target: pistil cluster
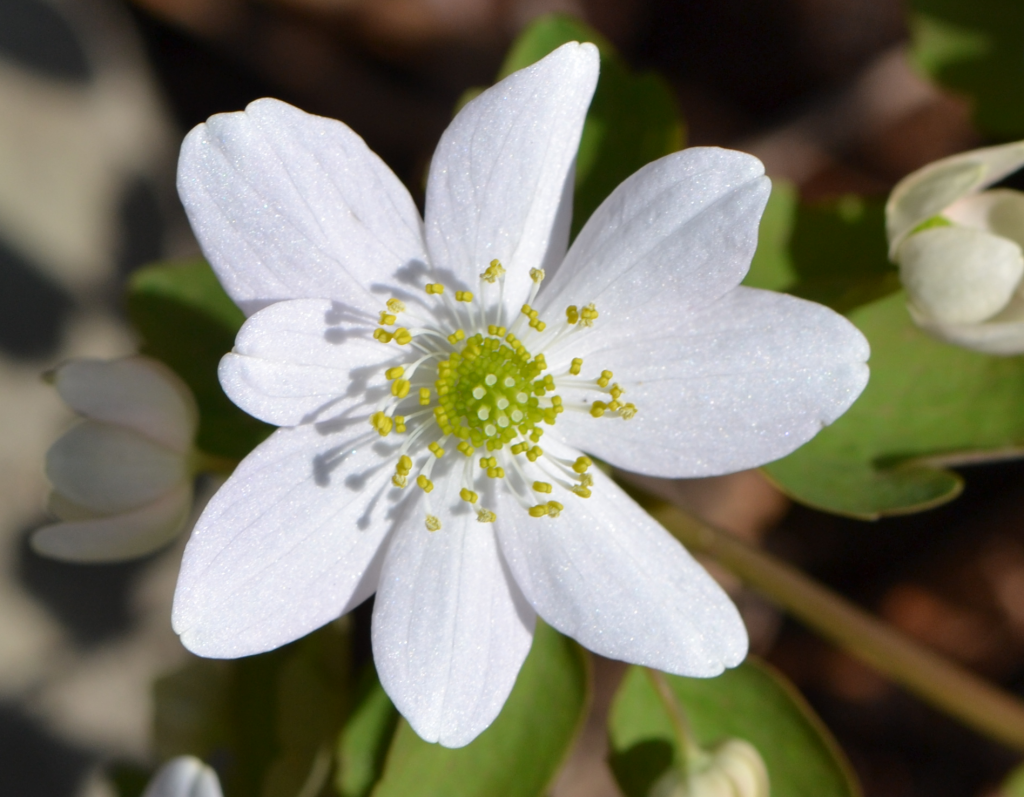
{"x": 485, "y": 391}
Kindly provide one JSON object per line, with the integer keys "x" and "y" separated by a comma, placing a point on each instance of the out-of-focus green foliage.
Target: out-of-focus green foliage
{"x": 974, "y": 47}
{"x": 633, "y": 118}
{"x": 1013, "y": 786}
{"x": 833, "y": 253}
{"x": 268, "y": 723}
{"x": 520, "y": 754}
{"x": 752, "y": 702}
{"x": 364, "y": 741}
{"x": 185, "y": 318}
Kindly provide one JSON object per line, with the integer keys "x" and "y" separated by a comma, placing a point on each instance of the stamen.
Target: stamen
{"x": 394, "y": 373}
{"x": 463, "y": 296}
{"x": 435, "y": 288}
{"x": 468, "y": 495}
{"x": 588, "y": 315}
{"x": 436, "y": 450}
{"x": 542, "y": 487}
{"x": 424, "y": 483}
{"x": 386, "y": 319}
{"x": 577, "y": 364}
{"x": 494, "y": 271}
{"x": 433, "y": 524}
{"x": 486, "y": 516}
{"x": 396, "y": 305}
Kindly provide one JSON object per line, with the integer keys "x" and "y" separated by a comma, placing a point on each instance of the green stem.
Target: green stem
{"x": 949, "y": 687}
{"x": 691, "y": 752}
{"x": 201, "y": 462}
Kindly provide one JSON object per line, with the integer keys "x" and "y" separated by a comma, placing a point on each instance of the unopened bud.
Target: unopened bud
{"x": 959, "y": 249}
{"x": 732, "y": 769}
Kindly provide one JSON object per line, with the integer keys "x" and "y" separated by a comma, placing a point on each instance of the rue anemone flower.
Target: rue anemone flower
{"x": 438, "y": 381}
{"x": 122, "y": 476}
{"x": 958, "y": 244}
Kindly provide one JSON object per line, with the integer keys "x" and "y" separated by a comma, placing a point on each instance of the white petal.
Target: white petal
{"x": 999, "y": 211}
{"x": 679, "y": 233}
{"x": 111, "y": 469}
{"x": 136, "y": 393}
{"x": 450, "y": 629}
{"x": 286, "y": 545}
{"x": 502, "y": 172}
{"x": 930, "y": 190}
{"x": 287, "y": 205}
{"x": 1003, "y": 337}
{"x": 958, "y": 275}
{"x": 607, "y": 575}
{"x": 118, "y": 537}
{"x": 295, "y": 361}
{"x": 184, "y": 776}
{"x": 742, "y": 382}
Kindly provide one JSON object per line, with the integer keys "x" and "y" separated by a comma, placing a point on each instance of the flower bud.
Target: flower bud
{"x": 122, "y": 476}
{"x": 184, "y": 776}
{"x": 959, "y": 249}
{"x": 732, "y": 769}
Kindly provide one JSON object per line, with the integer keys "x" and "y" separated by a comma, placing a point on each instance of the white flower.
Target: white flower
{"x": 959, "y": 248}
{"x": 184, "y": 776}
{"x": 381, "y": 342}
{"x": 122, "y": 477}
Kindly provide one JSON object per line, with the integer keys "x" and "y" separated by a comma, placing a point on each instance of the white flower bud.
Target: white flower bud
{"x": 184, "y": 776}
{"x": 733, "y": 769}
{"x": 958, "y": 248}
{"x": 122, "y": 476}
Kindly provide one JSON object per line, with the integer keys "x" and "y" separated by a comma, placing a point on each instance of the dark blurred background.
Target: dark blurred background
{"x": 95, "y": 96}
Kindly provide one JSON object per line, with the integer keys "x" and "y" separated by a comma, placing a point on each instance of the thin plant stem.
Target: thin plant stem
{"x": 691, "y": 752}
{"x": 936, "y": 680}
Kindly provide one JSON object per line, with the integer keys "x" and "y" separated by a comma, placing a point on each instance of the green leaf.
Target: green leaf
{"x": 186, "y": 320}
{"x": 633, "y": 118}
{"x": 752, "y": 702}
{"x": 974, "y": 47}
{"x": 519, "y": 755}
{"x": 363, "y": 744}
{"x": 833, "y": 253}
{"x": 927, "y": 404}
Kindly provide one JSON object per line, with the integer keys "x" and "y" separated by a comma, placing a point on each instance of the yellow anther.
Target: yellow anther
{"x": 463, "y": 296}
{"x": 519, "y": 448}
{"x": 494, "y": 329}
{"x": 400, "y": 388}
{"x": 468, "y": 495}
{"x": 528, "y": 311}
{"x": 394, "y": 373}
{"x": 534, "y": 453}
{"x": 402, "y": 336}
{"x": 588, "y": 315}
{"x": 400, "y": 480}
{"x": 424, "y": 396}
{"x": 536, "y": 274}
{"x": 396, "y": 305}
{"x": 550, "y": 509}
{"x": 433, "y": 524}
{"x": 436, "y": 450}
{"x": 386, "y": 318}
{"x": 466, "y": 448}
{"x": 494, "y": 271}
{"x": 577, "y": 364}
{"x": 627, "y": 411}
{"x": 400, "y": 424}
{"x": 456, "y": 336}
{"x": 572, "y": 314}
{"x": 597, "y": 408}
{"x": 488, "y": 462}
{"x": 495, "y": 473}
{"x": 582, "y": 492}
{"x": 542, "y": 487}
{"x": 435, "y": 288}
{"x": 605, "y": 378}
{"x": 586, "y": 480}
{"x": 424, "y": 483}
{"x": 382, "y": 423}
{"x": 614, "y": 405}
{"x": 486, "y": 516}
{"x": 382, "y": 335}
{"x": 582, "y": 463}
{"x": 404, "y": 464}
{"x": 616, "y": 391}
{"x": 538, "y": 325}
